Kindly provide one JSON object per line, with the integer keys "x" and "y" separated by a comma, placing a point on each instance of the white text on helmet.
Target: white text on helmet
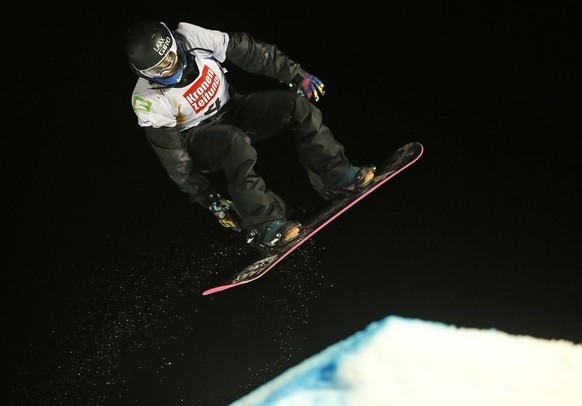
{"x": 162, "y": 45}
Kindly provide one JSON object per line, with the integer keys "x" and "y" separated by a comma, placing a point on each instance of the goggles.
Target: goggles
{"x": 164, "y": 67}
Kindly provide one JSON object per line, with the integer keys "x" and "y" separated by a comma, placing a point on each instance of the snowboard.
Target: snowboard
{"x": 266, "y": 260}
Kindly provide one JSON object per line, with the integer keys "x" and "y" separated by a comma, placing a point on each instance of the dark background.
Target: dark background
{"x": 106, "y": 261}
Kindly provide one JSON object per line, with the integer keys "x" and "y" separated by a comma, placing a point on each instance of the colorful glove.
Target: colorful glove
{"x": 226, "y": 214}
{"x": 309, "y": 87}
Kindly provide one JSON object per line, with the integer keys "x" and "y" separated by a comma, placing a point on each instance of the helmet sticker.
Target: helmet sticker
{"x": 162, "y": 45}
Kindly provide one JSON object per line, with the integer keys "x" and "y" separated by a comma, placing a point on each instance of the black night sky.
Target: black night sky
{"x": 107, "y": 261}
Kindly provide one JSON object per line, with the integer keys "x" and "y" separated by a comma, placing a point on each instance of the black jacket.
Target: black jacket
{"x": 168, "y": 143}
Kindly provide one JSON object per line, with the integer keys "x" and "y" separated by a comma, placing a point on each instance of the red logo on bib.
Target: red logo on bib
{"x": 203, "y": 91}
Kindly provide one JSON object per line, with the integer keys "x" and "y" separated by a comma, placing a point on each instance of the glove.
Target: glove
{"x": 309, "y": 87}
{"x": 225, "y": 213}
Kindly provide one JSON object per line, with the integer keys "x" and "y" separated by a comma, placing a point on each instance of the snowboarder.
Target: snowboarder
{"x": 197, "y": 123}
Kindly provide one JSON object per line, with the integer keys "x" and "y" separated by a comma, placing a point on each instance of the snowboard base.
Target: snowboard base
{"x": 401, "y": 159}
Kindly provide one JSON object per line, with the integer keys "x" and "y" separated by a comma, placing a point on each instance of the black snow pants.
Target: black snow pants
{"x": 227, "y": 143}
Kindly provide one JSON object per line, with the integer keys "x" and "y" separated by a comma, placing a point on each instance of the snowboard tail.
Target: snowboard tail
{"x": 401, "y": 159}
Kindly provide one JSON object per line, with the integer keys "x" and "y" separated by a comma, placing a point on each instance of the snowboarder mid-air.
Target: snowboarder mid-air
{"x": 197, "y": 123}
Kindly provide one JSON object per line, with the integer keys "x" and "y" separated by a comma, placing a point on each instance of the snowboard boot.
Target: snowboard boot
{"x": 355, "y": 179}
{"x": 274, "y": 233}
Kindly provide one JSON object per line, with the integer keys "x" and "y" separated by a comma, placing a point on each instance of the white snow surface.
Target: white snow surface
{"x": 410, "y": 362}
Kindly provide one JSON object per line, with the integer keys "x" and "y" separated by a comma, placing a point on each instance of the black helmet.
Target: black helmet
{"x": 153, "y": 52}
